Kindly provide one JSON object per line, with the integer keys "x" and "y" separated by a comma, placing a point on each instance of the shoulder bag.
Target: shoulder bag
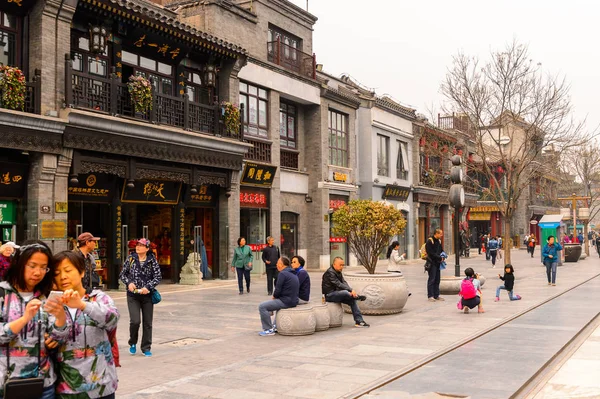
{"x": 155, "y": 296}
{"x": 248, "y": 265}
{"x": 24, "y": 388}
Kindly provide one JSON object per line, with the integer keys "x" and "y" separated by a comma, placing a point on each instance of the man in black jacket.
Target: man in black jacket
{"x": 285, "y": 296}
{"x": 270, "y": 255}
{"x": 433, "y": 247}
{"x": 336, "y": 289}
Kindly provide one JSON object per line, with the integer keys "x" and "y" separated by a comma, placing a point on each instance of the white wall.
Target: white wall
{"x": 293, "y": 182}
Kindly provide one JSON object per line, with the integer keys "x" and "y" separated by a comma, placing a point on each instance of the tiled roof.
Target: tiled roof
{"x": 163, "y": 17}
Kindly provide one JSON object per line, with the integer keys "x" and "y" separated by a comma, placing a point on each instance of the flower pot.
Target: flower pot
{"x": 386, "y": 293}
{"x": 450, "y": 285}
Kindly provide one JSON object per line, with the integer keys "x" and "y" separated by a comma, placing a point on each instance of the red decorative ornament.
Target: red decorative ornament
{"x": 422, "y": 142}
{"x": 435, "y": 144}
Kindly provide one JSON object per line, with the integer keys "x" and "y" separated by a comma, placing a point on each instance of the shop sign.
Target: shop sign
{"x": 119, "y": 233}
{"x": 182, "y": 231}
{"x": 51, "y": 229}
{"x": 337, "y": 239}
{"x": 258, "y": 175}
{"x": 7, "y": 213}
{"x": 13, "y": 180}
{"x": 206, "y": 195}
{"x": 253, "y": 199}
{"x": 257, "y": 247}
{"x": 340, "y": 177}
{"x": 152, "y": 192}
{"x": 61, "y": 207}
{"x": 484, "y": 209}
{"x": 336, "y": 202}
{"x": 397, "y": 193}
{"x": 92, "y": 187}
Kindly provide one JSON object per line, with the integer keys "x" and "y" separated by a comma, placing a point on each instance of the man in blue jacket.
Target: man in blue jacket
{"x": 303, "y": 278}
{"x": 285, "y": 296}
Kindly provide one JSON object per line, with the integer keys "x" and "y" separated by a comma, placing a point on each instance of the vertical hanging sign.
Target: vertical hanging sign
{"x": 182, "y": 231}
{"x": 119, "y": 234}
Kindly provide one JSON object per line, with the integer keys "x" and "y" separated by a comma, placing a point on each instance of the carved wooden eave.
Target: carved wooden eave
{"x": 340, "y": 97}
{"x": 31, "y": 132}
{"x": 166, "y": 20}
{"x": 431, "y": 195}
{"x": 395, "y": 108}
{"x": 100, "y": 133}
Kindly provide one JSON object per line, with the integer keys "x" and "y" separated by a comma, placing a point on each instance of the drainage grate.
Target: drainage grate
{"x": 184, "y": 342}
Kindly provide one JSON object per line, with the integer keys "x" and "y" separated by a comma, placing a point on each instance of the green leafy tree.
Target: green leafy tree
{"x": 369, "y": 227}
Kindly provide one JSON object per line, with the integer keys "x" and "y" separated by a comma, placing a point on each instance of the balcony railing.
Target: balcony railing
{"x": 261, "y": 151}
{"x": 111, "y": 96}
{"x": 456, "y": 122}
{"x": 435, "y": 179}
{"x": 289, "y": 159}
{"x": 291, "y": 58}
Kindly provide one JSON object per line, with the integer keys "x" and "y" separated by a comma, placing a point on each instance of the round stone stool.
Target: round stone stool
{"x": 322, "y": 316}
{"x": 296, "y": 321}
{"x": 336, "y": 314}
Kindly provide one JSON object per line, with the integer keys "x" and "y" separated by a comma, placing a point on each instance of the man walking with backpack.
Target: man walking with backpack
{"x": 493, "y": 250}
{"x": 86, "y": 245}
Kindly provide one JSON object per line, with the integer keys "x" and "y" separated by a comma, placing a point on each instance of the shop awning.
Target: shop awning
{"x": 480, "y": 216}
{"x": 550, "y": 221}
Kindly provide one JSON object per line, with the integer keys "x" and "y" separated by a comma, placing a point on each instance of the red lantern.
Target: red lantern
{"x": 435, "y": 144}
{"x": 422, "y": 142}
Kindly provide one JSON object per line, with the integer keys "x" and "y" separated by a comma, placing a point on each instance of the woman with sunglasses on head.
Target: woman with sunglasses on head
{"x": 86, "y": 356}
{"x": 27, "y": 317}
{"x": 140, "y": 274}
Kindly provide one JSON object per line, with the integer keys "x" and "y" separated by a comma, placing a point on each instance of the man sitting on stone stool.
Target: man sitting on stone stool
{"x": 336, "y": 289}
{"x": 303, "y": 278}
{"x": 285, "y": 296}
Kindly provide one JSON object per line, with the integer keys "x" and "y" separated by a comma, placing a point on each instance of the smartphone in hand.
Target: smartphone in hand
{"x": 55, "y": 294}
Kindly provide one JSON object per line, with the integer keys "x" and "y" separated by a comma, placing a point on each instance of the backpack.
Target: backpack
{"x": 423, "y": 252}
{"x": 467, "y": 289}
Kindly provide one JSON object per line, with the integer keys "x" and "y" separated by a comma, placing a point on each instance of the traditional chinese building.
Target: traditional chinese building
{"x": 82, "y": 155}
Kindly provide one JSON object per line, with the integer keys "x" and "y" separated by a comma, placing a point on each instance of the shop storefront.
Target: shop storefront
{"x": 398, "y": 196}
{"x": 484, "y": 220}
{"x": 13, "y": 187}
{"x": 289, "y": 234}
{"x": 338, "y": 246}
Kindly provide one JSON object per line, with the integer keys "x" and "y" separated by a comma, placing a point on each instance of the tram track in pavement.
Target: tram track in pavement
{"x": 371, "y": 390}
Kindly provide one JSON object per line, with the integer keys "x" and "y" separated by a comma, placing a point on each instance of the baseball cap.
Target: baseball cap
{"x": 12, "y": 244}
{"x": 87, "y": 237}
{"x": 144, "y": 242}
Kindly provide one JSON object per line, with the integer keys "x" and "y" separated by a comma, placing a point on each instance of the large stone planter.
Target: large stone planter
{"x": 450, "y": 285}
{"x": 322, "y": 316}
{"x": 386, "y": 293}
{"x": 296, "y": 321}
{"x": 336, "y": 314}
{"x": 572, "y": 252}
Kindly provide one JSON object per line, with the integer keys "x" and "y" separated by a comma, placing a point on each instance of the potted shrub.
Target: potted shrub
{"x": 231, "y": 118}
{"x": 12, "y": 87}
{"x": 369, "y": 227}
{"x": 140, "y": 90}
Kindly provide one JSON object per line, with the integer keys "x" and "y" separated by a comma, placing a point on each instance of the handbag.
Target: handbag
{"x": 248, "y": 267}
{"x": 24, "y": 388}
{"x": 155, "y": 296}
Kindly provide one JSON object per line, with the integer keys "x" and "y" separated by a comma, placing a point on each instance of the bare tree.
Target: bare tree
{"x": 517, "y": 114}
{"x": 584, "y": 163}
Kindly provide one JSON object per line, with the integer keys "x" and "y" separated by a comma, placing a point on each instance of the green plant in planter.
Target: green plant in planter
{"x": 140, "y": 90}
{"x": 12, "y": 87}
{"x": 369, "y": 226}
{"x": 231, "y": 117}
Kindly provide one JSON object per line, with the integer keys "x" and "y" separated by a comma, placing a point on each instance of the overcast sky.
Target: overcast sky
{"x": 404, "y": 48}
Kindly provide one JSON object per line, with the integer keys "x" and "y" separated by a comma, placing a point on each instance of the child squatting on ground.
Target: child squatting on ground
{"x": 470, "y": 292}
{"x": 509, "y": 283}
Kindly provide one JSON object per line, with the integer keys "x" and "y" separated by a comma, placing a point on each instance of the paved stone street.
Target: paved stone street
{"x": 206, "y": 343}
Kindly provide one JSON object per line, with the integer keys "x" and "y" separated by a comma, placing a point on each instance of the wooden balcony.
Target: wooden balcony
{"x": 435, "y": 179}
{"x": 261, "y": 150}
{"x": 111, "y": 96}
{"x": 289, "y": 159}
{"x": 456, "y": 122}
{"x": 292, "y": 59}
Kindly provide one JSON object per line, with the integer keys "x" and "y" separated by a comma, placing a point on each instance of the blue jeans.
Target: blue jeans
{"x": 493, "y": 253}
{"x": 551, "y": 271}
{"x": 242, "y": 274}
{"x": 346, "y": 297}
{"x": 265, "y": 309}
{"x": 433, "y": 281}
{"x": 510, "y": 293}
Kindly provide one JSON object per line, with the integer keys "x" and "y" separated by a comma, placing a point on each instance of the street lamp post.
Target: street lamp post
{"x": 456, "y": 198}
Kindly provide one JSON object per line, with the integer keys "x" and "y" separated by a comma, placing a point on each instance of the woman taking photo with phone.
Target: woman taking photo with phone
{"x": 26, "y": 319}
{"x": 140, "y": 274}
{"x": 86, "y": 356}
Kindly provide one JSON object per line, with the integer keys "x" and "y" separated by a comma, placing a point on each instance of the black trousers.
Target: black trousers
{"x": 433, "y": 282}
{"x": 136, "y": 304}
{"x": 242, "y": 274}
{"x": 272, "y": 274}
